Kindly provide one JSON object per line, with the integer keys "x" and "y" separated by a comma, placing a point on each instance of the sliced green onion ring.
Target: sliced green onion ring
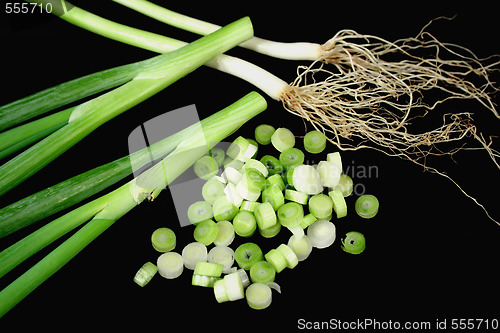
{"x": 289, "y": 255}
{"x": 259, "y": 296}
{"x": 249, "y": 206}
{"x": 335, "y": 158}
{"x": 321, "y": 233}
{"x": 291, "y": 157}
{"x": 170, "y": 265}
{"x": 204, "y": 281}
{"x": 218, "y": 155}
{"x": 222, "y": 255}
{"x": 163, "y": 239}
{"x": 223, "y": 209}
{"x": 329, "y": 173}
{"x": 321, "y": 206}
{"x": 296, "y": 196}
{"x": 301, "y": 246}
{"x": 274, "y": 196}
{"x": 247, "y": 254}
{"x": 306, "y": 179}
{"x": 234, "y": 286}
{"x": 345, "y": 185}
{"x": 275, "y": 258}
{"x": 283, "y": 139}
{"x": 271, "y": 231}
{"x": 206, "y": 167}
{"x": 199, "y": 211}
{"x": 367, "y": 206}
{"x": 194, "y": 252}
{"x": 262, "y": 272}
{"x": 212, "y": 190}
{"x": 145, "y": 274}
{"x": 314, "y": 142}
{"x": 275, "y": 180}
{"x": 244, "y": 224}
{"x": 208, "y": 269}
{"x": 225, "y": 234}
{"x": 206, "y": 232}
{"x": 290, "y": 214}
{"x": 233, "y": 195}
{"x": 354, "y": 242}
{"x": 263, "y": 134}
{"x": 258, "y": 165}
{"x": 339, "y": 204}
{"x": 237, "y": 148}
{"x": 272, "y": 164}
{"x": 265, "y": 215}
{"x": 308, "y": 220}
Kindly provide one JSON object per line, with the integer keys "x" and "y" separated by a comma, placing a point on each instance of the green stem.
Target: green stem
{"x": 154, "y": 77}
{"x": 105, "y": 210}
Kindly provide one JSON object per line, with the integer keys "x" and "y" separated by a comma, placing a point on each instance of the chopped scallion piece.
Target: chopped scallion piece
{"x": 321, "y": 233}
{"x": 233, "y": 195}
{"x": 321, "y": 206}
{"x": 335, "y": 158}
{"x": 237, "y": 148}
{"x": 271, "y": 231}
{"x": 275, "y": 258}
{"x": 289, "y": 255}
{"x": 223, "y": 209}
{"x": 253, "y": 180}
{"x": 306, "y": 179}
{"x": 208, "y": 269}
{"x": 204, "y": 281}
{"x": 199, "y": 211}
{"x": 274, "y": 196}
{"x": 206, "y": 232}
{"x": 249, "y": 206}
{"x": 145, "y": 274}
{"x": 206, "y": 167}
{"x": 259, "y": 296}
{"x": 291, "y": 157}
{"x": 367, "y": 206}
{"x": 258, "y": 165}
{"x": 163, "y": 239}
{"x": 246, "y": 193}
{"x": 231, "y": 175}
{"x": 218, "y": 155}
{"x": 275, "y": 180}
{"x": 308, "y": 220}
{"x": 329, "y": 173}
{"x": 339, "y": 204}
{"x": 263, "y": 134}
{"x": 345, "y": 185}
{"x": 272, "y": 164}
{"x": 262, "y": 272}
{"x": 265, "y": 215}
{"x": 170, "y": 265}
{"x": 354, "y": 242}
{"x": 301, "y": 246}
{"x": 314, "y": 142}
{"x": 212, "y": 190}
{"x": 194, "y": 252}
{"x": 296, "y": 196}
{"x": 225, "y": 234}
{"x": 283, "y": 139}
{"x": 222, "y": 255}
{"x": 244, "y": 224}
{"x": 256, "y": 144}
{"x": 220, "y": 291}
{"x": 290, "y": 214}
{"x": 247, "y": 254}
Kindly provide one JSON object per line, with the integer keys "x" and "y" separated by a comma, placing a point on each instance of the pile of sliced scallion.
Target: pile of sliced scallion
{"x": 245, "y": 193}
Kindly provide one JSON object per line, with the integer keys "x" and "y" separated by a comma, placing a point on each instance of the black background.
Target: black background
{"x": 431, "y": 252}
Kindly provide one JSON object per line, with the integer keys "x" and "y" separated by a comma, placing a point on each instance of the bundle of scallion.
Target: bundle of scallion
{"x": 371, "y": 96}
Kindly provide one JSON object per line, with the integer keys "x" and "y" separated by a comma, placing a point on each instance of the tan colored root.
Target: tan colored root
{"x": 370, "y": 102}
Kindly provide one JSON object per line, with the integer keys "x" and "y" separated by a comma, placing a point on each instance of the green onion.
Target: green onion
{"x": 199, "y": 211}
{"x": 237, "y": 148}
{"x": 291, "y": 157}
{"x": 289, "y": 255}
{"x": 301, "y": 246}
{"x": 329, "y": 173}
{"x": 247, "y": 254}
{"x": 321, "y": 206}
{"x": 244, "y": 224}
{"x": 145, "y": 274}
{"x": 206, "y": 232}
{"x": 225, "y": 235}
{"x": 258, "y": 165}
{"x": 212, "y": 190}
{"x": 276, "y": 258}
{"x": 218, "y": 155}
{"x": 206, "y": 167}
{"x": 157, "y": 75}
{"x": 321, "y": 233}
{"x": 208, "y": 269}
{"x": 275, "y": 180}
{"x": 246, "y": 193}
{"x": 253, "y": 180}
{"x": 263, "y": 134}
{"x": 220, "y": 291}
{"x": 235, "y": 164}
{"x": 274, "y": 196}
{"x": 262, "y": 272}
{"x": 345, "y": 185}
{"x": 231, "y": 175}
{"x": 258, "y": 296}
{"x": 234, "y": 286}
{"x": 170, "y": 265}
{"x": 283, "y": 139}
{"x": 335, "y": 158}
{"x": 308, "y": 220}
{"x": 314, "y": 142}
{"x": 272, "y": 164}
{"x": 367, "y": 206}
{"x": 222, "y": 255}
{"x": 203, "y": 280}
{"x": 354, "y": 242}
{"x": 223, "y": 209}
{"x": 290, "y": 214}
{"x": 233, "y": 194}
{"x": 249, "y": 206}
{"x": 163, "y": 239}
{"x": 306, "y": 179}
{"x": 339, "y": 204}
{"x": 270, "y": 232}
{"x": 193, "y": 253}
{"x": 296, "y": 196}
{"x": 265, "y": 215}
{"x": 256, "y": 144}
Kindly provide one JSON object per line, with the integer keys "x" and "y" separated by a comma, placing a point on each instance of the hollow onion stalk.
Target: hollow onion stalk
{"x": 154, "y": 77}
{"x": 106, "y": 210}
